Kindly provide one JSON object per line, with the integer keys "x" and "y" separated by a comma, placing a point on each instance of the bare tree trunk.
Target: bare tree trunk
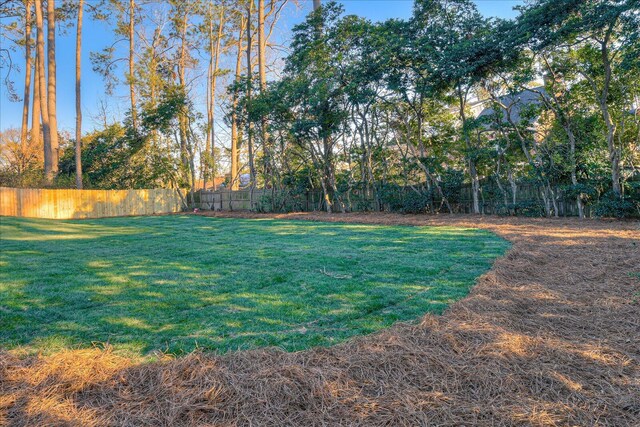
{"x": 574, "y": 178}
{"x": 372, "y": 191}
{"x": 497, "y": 178}
{"x": 204, "y": 159}
{"x": 185, "y": 140}
{"x": 475, "y": 186}
{"x": 214, "y": 59}
{"x": 602, "y": 95}
{"x": 191, "y": 158}
{"x": 132, "y": 87}
{"x": 186, "y": 150}
{"x": 614, "y": 153}
{"x": 252, "y": 169}
{"x": 42, "y": 93}
{"x": 514, "y": 189}
{"x": 79, "y": 97}
{"x": 473, "y": 173}
{"x": 502, "y": 191}
{"x": 262, "y": 47}
{"x": 316, "y": 4}
{"x": 329, "y": 174}
{"x": 545, "y": 197}
{"x": 554, "y": 202}
{"x": 27, "y": 77}
{"x": 36, "y": 129}
{"x": 182, "y": 81}
{"x": 214, "y": 78}
{"x": 327, "y": 198}
{"x": 234, "y": 116}
{"x": 51, "y": 87}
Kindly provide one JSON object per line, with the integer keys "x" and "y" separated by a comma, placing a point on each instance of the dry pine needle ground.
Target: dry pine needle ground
{"x": 550, "y": 336}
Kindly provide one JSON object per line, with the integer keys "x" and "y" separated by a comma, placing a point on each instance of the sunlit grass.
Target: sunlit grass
{"x": 177, "y": 283}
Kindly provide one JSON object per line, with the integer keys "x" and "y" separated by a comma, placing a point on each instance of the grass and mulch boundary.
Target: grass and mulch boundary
{"x": 549, "y": 336}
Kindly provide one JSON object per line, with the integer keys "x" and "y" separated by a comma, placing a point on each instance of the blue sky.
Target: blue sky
{"x": 383, "y": 9}
{"x": 97, "y": 35}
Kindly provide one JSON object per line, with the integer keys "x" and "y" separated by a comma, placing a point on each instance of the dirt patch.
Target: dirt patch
{"x": 550, "y": 336}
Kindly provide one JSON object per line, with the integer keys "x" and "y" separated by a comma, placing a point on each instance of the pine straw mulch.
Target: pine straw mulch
{"x": 550, "y": 336}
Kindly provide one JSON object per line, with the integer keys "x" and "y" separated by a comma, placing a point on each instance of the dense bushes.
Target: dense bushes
{"x": 613, "y": 206}
{"x": 420, "y": 199}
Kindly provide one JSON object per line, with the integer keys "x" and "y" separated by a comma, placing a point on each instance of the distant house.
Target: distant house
{"x": 244, "y": 180}
{"x": 514, "y": 105}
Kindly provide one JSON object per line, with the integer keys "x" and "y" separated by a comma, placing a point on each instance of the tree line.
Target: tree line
{"x": 166, "y": 54}
{"x": 404, "y": 112}
{"x": 399, "y": 115}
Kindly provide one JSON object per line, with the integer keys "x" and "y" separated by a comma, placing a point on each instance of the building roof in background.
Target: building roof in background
{"x": 518, "y": 102}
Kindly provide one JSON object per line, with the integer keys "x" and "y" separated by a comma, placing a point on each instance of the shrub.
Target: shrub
{"x": 414, "y": 202}
{"x": 283, "y": 201}
{"x": 391, "y": 197}
{"x": 611, "y": 205}
{"x": 528, "y": 208}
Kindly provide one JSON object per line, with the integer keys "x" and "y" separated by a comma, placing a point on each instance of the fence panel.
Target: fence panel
{"x": 69, "y": 204}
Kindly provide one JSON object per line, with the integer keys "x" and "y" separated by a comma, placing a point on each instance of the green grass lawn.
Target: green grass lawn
{"x": 176, "y": 283}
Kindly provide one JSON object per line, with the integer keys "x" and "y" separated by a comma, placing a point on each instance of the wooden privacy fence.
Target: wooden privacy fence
{"x": 238, "y": 200}
{"x": 69, "y": 204}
